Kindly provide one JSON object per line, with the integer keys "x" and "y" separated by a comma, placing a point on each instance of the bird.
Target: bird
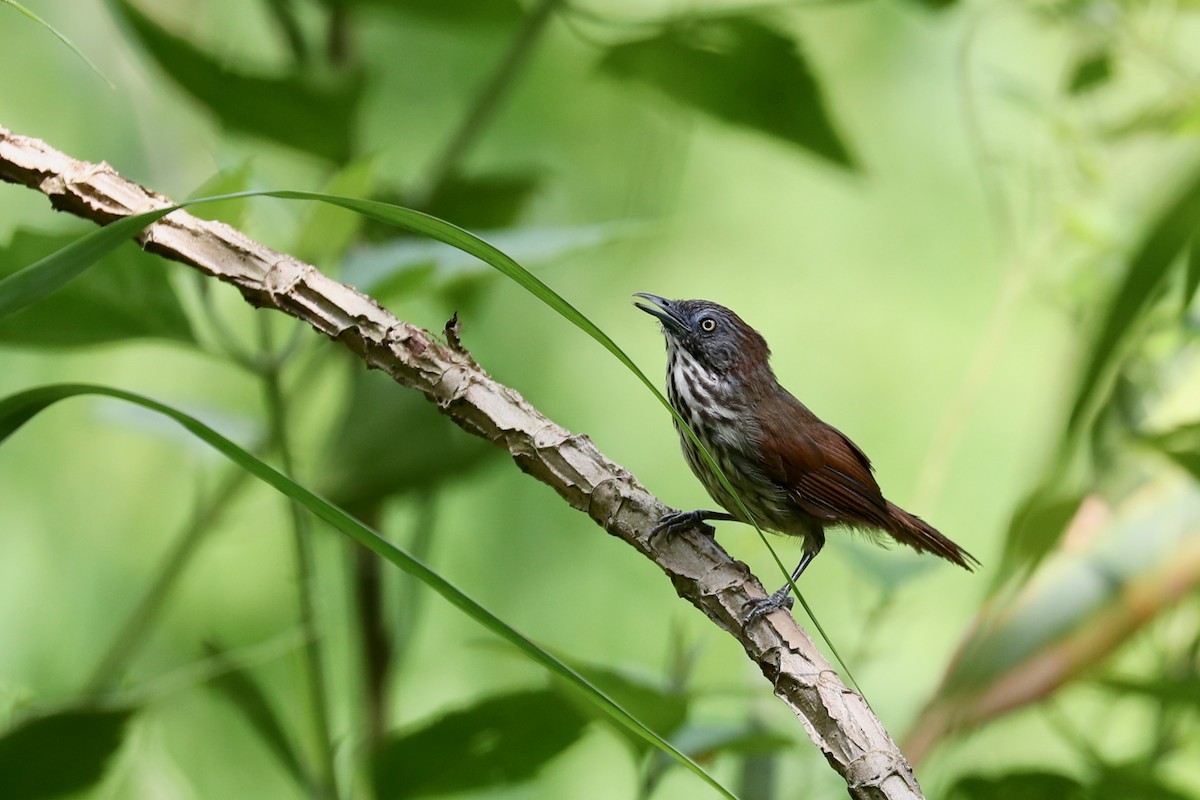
{"x": 794, "y": 473}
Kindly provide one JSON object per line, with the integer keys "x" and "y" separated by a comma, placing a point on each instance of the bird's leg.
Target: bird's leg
{"x": 761, "y": 606}
{"x": 679, "y": 520}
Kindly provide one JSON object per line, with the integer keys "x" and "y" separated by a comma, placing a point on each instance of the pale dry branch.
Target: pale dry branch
{"x": 836, "y": 718}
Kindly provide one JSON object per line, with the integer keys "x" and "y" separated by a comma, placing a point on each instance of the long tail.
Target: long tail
{"x": 922, "y": 537}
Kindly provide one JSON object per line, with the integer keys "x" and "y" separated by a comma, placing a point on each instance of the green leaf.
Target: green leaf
{"x": 498, "y": 741}
{"x": 703, "y": 742}
{"x": 22, "y": 9}
{"x": 1170, "y": 692}
{"x": 1037, "y": 524}
{"x": 1134, "y": 781}
{"x": 464, "y": 13}
{"x": 739, "y": 70}
{"x": 483, "y": 202}
{"x": 251, "y": 702}
{"x": 1171, "y": 116}
{"x": 759, "y": 778}
{"x": 661, "y": 709}
{"x": 888, "y": 569}
{"x": 1192, "y": 274}
{"x": 1026, "y": 785}
{"x": 128, "y": 297}
{"x": 326, "y": 231}
{"x": 756, "y": 746}
{"x": 17, "y": 409}
{"x": 29, "y": 285}
{"x": 1149, "y": 267}
{"x": 935, "y": 5}
{"x": 232, "y": 181}
{"x": 60, "y": 753}
{"x": 1181, "y": 445}
{"x": 392, "y": 440}
{"x": 300, "y": 112}
{"x": 404, "y": 266}
{"x": 1091, "y": 72}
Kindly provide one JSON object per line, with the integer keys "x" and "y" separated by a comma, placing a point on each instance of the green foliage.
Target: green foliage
{"x": 58, "y": 35}
{"x": 1149, "y": 267}
{"x": 1040, "y": 519}
{"x": 61, "y": 752}
{"x": 390, "y": 441}
{"x": 251, "y": 702}
{"x": 1130, "y": 782}
{"x": 1181, "y": 444}
{"x": 1026, "y": 785}
{"x": 739, "y": 70}
{"x": 1134, "y": 782}
{"x": 1038, "y": 522}
{"x": 128, "y": 296}
{"x": 327, "y": 232}
{"x": 498, "y": 741}
{"x": 483, "y": 202}
{"x": 460, "y": 13}
{"x": 24, "y": 287}
{"x": 310, "y": 114}
{"x": 1192, "y": 277}
{"x": 662, "y": 709}
{"x": 1091, "y": 72}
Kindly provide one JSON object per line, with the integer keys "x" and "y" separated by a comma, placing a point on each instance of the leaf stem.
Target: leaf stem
{"x": 133, "y": 632}
{"x": 276, "y": 409}
{"x": 484, "y": 106}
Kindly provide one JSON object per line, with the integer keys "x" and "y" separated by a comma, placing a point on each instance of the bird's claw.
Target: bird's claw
{"x": 680, "y": 520}
{"x": 758, "y": 607}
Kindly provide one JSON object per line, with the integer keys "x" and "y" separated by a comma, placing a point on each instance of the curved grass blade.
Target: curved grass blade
{"x": 39, "y": 279}
{"x": 61, "y": 38}
{"x": 17, "y": 409}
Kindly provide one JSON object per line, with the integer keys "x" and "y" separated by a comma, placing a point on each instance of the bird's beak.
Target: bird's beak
{"x": 663, "y": 308}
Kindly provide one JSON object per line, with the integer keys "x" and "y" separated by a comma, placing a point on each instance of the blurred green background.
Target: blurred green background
{"x": 967, "y": 229}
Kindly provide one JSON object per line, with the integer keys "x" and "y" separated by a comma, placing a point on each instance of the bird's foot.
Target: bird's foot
{"x": 680, "y": 520}
{"x": 677, "y": 521}
{"x": 758, "y": 607}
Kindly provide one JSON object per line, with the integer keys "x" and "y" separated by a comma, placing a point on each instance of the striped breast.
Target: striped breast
{"x": 704, "y": 400}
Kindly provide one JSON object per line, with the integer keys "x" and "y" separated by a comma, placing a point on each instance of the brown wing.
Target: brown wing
{"x": 825, "y": 472}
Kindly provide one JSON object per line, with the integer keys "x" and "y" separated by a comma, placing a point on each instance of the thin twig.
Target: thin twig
{"x": 129, "y": 639}
{"x": 276, "y": 407}
{"x": 487, "y": 101}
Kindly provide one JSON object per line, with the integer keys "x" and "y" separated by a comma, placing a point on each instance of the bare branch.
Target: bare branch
{"x": 836, "y": 718}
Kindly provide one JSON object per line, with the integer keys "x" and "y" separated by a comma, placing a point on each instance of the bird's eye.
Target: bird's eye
{"x": 708, "y": 324}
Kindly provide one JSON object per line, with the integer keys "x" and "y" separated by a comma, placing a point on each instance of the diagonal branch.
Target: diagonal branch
{"x": 836, "y": 718}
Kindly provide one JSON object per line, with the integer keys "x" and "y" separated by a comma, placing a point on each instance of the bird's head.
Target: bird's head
{"x": 713, "y": 335}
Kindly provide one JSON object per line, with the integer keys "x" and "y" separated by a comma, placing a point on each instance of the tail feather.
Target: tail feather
{"x": 924, "y": 538}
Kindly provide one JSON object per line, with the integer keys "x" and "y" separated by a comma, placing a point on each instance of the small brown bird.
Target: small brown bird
{"x": 795, "y": 474}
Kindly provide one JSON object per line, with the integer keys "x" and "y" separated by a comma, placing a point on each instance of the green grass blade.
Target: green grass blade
{"x": 31, "y": 284}
{"x": 17, "y": 409}
{"x": 61, "y": 38}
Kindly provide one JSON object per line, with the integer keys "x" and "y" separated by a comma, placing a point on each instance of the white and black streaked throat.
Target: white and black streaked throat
{"x": 698, "y": 394}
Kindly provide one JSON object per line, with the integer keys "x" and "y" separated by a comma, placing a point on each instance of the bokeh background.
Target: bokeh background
{"x": 967, "y": 230}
